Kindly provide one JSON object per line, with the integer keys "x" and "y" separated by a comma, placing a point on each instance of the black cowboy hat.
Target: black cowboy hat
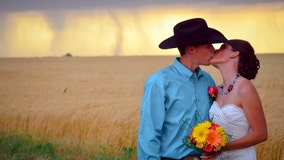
{"x": 192, "y": 32}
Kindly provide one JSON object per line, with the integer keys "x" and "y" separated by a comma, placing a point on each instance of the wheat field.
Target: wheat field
{"x": 96, "y": 100}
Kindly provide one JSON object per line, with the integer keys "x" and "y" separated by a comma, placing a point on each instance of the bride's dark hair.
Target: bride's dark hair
{"x": 248, "y": 62}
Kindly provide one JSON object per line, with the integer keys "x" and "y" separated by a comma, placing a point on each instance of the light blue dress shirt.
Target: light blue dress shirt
{"x": 172, "y": 98}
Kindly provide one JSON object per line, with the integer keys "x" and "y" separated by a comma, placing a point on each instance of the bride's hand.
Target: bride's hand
{"x": 210, "y": 156}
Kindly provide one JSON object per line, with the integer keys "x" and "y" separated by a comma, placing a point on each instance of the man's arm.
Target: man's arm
{"x": 151, "y": 123}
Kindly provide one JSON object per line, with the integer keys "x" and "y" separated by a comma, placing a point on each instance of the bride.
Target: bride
{"x": 238, "y": 107}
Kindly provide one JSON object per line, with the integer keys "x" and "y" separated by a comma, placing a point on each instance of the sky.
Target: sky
{"x": 39, "y": 28}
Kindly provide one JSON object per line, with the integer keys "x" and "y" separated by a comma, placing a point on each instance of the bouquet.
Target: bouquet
{"x": 207, "y": 136}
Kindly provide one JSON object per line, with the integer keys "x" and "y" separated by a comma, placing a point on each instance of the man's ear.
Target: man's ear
{"x": 189, "y": 49}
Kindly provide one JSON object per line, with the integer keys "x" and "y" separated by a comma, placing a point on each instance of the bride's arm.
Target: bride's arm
{"x": 253, "y": 110}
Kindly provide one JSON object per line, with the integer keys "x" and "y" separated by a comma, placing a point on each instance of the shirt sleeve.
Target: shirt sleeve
{"x": 151, "y": 121}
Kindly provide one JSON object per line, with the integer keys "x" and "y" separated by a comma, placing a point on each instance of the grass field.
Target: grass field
{"x": 95, "y": 101}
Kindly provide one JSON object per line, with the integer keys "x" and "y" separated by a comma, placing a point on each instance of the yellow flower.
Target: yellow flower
{"x": 206, "y": 124}
{"x": 200, "y": 132}
{"x": 217, "y": 148}
{"x": 221, "y": 131}
{"x": 200, "y": 145}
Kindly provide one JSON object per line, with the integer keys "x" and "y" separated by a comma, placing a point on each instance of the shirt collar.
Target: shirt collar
{"x": 185, "y": 72}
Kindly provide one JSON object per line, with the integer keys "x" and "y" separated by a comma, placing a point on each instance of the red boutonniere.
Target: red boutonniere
{"x": 212, "y": 92}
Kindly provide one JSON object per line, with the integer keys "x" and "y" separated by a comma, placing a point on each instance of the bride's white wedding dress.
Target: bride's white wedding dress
{"x": 234, "y": 122}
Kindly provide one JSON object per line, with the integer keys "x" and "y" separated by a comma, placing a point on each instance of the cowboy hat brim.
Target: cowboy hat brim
{"x": 215, "y": 37}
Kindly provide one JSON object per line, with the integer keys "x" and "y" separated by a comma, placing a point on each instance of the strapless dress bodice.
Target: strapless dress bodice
{"x": 232, "y": 118}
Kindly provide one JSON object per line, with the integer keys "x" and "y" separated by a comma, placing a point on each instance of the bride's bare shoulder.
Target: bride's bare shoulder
{"x": 246, "y": 87}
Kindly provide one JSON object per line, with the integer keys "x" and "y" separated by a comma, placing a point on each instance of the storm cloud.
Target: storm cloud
{"x": 42, "y": 5}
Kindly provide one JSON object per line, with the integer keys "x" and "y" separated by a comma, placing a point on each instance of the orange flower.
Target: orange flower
{"x": 214, "y": 138}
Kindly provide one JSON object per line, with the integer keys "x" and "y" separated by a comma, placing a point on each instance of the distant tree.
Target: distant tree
{"x": 68, "y": 55}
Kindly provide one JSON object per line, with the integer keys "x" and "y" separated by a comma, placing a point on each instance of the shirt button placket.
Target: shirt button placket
{"x": 194, "y": 81}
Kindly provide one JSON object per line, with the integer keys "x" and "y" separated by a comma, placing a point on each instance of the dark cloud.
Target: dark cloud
{"x": 47, "y": 5}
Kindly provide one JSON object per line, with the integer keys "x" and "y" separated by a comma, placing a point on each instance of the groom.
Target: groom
{"x": 177, "y": 93}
